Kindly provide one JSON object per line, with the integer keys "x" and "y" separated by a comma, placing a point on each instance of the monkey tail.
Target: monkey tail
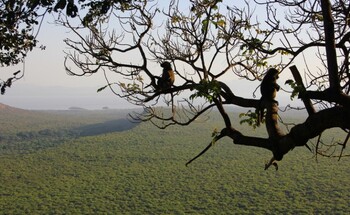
{"x": 260, "y": 114}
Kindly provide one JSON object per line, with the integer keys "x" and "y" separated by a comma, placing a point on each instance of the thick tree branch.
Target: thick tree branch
{"x": 231, "y": 98}
{"x": 307, "y": 102}
{"x": 329, "y": 96}
{"x": 332, "y": 63}
{"x": 314, "y": 126}
{"x": 299, "y": 134}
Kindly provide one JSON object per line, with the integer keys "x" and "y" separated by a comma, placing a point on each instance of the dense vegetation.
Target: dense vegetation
{"x": 142, "y": 170}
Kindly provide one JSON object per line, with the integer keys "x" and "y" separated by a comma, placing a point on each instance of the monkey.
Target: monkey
{"x": 168, "y": 77}
{"x": 268, "y": 89}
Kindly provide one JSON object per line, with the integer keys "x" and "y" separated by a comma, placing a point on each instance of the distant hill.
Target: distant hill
{"x": 76, "y": 108}
{"x": 82, "y": 121}
{"x": 3, "y": 106}
{"x": 7, "y": 108}
{"x": 7, "y": 112}
{"x": 14, "y": 119}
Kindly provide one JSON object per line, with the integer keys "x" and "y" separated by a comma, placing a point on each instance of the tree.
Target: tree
{"x": 209, "y": 41}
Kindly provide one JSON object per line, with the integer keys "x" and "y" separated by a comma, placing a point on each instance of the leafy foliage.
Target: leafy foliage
{"x": 297, "y": 89}
{"x": 16, "y": 26}
{"x": 251, "y": 118}
{"x": 207, "y": 90}
{"x": 101, "y": 8}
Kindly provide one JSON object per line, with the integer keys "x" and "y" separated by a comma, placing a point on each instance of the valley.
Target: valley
{"x": 98, "y": 162}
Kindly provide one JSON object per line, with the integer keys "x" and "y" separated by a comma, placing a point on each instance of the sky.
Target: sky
{"x": 47, "y": 86}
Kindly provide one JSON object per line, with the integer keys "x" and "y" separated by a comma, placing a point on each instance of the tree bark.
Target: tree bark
{"x": 300, "y": 134}
{"x": 330, "y": 46}
{"x": 307, "y": 102}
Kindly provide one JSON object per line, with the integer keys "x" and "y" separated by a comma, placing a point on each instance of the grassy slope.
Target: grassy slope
{"x": 142, "y": 171}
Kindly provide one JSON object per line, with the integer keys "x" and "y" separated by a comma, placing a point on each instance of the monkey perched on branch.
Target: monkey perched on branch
{"x": 168, "y": 77}
{"x": 164, "y": 82}
{"x": 268, "y": 89}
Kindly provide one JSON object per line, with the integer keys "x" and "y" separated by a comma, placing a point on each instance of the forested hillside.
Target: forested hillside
{"x": 82, "y": 162}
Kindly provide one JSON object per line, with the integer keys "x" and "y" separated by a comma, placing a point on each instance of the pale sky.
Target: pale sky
{"x": 47, "y": 86}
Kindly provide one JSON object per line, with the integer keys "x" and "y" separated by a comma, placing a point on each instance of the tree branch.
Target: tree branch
{"x": 307, "y": 102}
{"x": 332, "y": 63}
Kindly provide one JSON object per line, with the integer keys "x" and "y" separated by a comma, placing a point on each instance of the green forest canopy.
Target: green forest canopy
{"x": 46, "y": 166}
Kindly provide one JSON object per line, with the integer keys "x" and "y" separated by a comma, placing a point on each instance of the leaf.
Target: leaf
{"x": 102, "y": 88}
{"x": 289, "y": 82}
{"x": 175, "y": 19}
{"x": 221, "y": 23}
{"x": 61, "y": 4}
{"x": 250, "y": 117}
{"x": 16, "y": 73}
{"x": 205, "y": 25}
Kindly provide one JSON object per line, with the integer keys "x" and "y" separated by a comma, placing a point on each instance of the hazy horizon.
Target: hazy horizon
{"x": 35, "y": 97}
{"x": 60, "y": 98}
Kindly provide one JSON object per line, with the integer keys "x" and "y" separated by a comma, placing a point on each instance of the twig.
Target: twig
{"x": 216, "y": 138}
